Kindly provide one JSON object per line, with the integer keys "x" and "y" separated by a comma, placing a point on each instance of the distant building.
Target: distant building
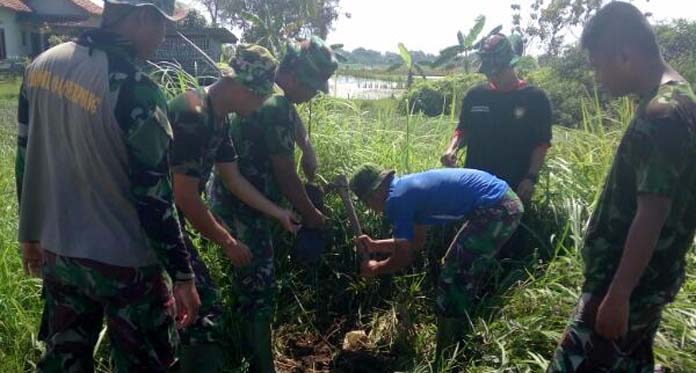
{"x": 210, "y": 40}
{"x": 27, "y": 25}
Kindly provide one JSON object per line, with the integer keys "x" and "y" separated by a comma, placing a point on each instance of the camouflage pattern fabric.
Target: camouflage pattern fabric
{"x": 471, "y": 256}
{"x": 270, "y": 131}
{"x": 582, "y": 350}
{"x": 254, "y": 284}
{"x": 312, "y": 61}
{"x": 254, "y": 67}
{"x": 141, "y": 111}
{"x": 137, "y": 305}
{"x": 655, "y": 157}
{"x": 207, "y": 327}
{"x": 496, "y": 53}
{"x": 199, "y": 140}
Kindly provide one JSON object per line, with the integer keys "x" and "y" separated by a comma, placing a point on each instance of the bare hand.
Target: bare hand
{"x": 449, "y": 159}
{"x": 32, "y": 258}
{"x": 362, "y": 243}
{"x": 316, "y": 221}
{"x": 187, "y": 303}
{"x": 238, "y": 253}
{"x": 612, "y": 318}
{"x": 369, "y": 268}
{"x": 289, "y": 221}
{"x": 526, "y": 190}
{"x": 370, "y": 246}
{"x": 310, "y": 164}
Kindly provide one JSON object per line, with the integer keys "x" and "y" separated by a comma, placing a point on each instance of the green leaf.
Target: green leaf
{"x": 395, "y": 66}
{"x": 495, "y": 30}
{"x": 452, "y": 51}
{"x": 253, "y": 19}
{"x": 340, "y": 57}
{"x": 420, "y": 70}
{"x": 406, "y": 55}
{"x": 461, "y": 40}
{"x": 474, "y": 32}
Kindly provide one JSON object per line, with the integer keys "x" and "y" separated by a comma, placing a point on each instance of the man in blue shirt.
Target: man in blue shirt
{"x": 490, "y": 212}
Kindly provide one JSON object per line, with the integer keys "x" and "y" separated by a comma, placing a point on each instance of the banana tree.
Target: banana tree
{"x": 412, "y": 67}
{"x": 458, "y": 55}
{"x": 267, "y": 31}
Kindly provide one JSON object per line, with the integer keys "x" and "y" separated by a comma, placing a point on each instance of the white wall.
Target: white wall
{"x": 13, "y": 35}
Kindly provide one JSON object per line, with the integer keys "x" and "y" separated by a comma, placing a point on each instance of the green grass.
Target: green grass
{"x": 515, "y": 328}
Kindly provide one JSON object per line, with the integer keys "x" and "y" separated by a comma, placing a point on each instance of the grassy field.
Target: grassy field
{"x": 515, "y": 328}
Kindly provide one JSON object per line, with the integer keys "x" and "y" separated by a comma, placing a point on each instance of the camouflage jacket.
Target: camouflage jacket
{"x": 270, "y": 131}
{"x": 200, "y": 140}
{"x": 656, "y": 156}
{"x": 139, "y": 109}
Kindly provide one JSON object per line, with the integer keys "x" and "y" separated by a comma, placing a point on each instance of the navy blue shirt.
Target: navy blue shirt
{"x": 438, "y": 197}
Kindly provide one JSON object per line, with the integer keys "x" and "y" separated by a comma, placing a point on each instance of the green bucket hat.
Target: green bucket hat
{"x": 367, "y": 179}
{"x": 496, "y": 53}
{"x": 165, "y": 7}
{"x": 254, "y": 67}
{"x": 313, "y": 62}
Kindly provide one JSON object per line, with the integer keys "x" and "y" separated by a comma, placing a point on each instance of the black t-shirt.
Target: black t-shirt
{"x": 503, "y": 128}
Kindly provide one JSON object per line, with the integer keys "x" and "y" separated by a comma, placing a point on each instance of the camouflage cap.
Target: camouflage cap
{"x": 367, "y": 179}
{"x": 254, "y": 67}
{"x": 313, "y": 62}
{"x": 496, "y": 53}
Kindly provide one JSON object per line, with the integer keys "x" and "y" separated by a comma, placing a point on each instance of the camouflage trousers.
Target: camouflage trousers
{"x": 582, "y": 350}
{"x": 254, "y": 284}
{"x": 471, "y": 256}
{"x": 207, "y": 327}
{"x": 137, "y": 304}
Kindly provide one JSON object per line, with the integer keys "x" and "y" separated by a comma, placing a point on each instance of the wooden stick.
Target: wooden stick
{"x": 341, "y": 183}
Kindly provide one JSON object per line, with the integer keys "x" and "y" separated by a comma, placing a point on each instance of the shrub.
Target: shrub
{"x": 435, "y": 97}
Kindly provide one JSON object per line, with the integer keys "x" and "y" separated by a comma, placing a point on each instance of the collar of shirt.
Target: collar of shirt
{"x": 519, "y": 85}
{"x": 109, "y": 42}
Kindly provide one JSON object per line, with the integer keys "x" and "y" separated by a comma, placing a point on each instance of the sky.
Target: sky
{"x": 431, "y": 25}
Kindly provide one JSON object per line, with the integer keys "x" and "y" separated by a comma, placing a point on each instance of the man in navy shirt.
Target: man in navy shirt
{"x": 489, "y": 210}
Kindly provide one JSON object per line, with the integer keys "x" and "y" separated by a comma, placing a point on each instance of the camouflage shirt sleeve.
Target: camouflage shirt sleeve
{"x": 140, "y": 111}
{"x": 190, "y": 140}
{"x": 661, "y": 157}
{"x": 279, "y": 120}
{"x": 22, "y": 138}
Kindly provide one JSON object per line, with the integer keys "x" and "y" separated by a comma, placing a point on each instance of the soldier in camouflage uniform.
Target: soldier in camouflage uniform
{"x": 96, "y": 203}
{"x": 643, "y": 225}
{"x": 489, "y": 208}
{"x": 202, "y": 140}
{"x": 265, "y": 143}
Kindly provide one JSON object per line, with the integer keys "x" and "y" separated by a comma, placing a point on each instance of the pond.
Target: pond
{"x": 344, "y": 86}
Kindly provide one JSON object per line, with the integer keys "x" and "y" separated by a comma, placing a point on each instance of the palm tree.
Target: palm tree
{"x": 407, "y": 61}
{"x": 458, "y": 55}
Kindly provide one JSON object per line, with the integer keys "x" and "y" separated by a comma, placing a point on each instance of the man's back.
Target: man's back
{"x": 440, "y": 196}
{"x": 76, "y": 192}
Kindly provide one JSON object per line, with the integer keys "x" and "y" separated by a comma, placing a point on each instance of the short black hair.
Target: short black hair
{"x": 619, "y": 24}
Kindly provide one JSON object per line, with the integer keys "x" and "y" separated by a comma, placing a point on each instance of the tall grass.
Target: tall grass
{"x": 514, "y": 329}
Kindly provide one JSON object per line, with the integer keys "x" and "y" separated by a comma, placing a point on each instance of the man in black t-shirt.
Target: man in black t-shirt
{"x": 505, "y": 123}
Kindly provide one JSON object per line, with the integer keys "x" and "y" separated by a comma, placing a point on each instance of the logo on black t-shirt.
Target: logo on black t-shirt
{"x": 480, "y": 109}
{"x": 520, "y": 111}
